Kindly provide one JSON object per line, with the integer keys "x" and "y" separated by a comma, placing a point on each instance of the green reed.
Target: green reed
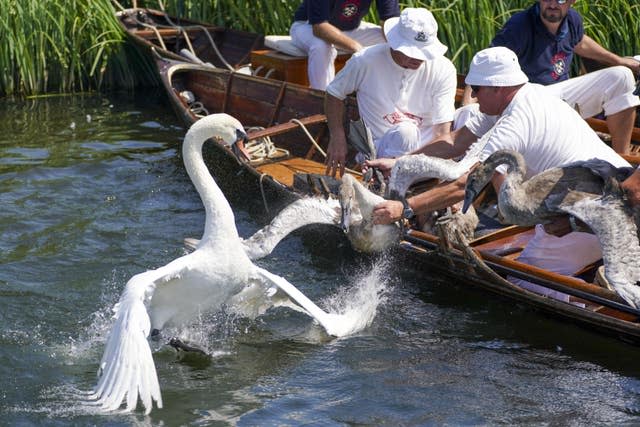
{"x": 56, "y": 45}
{"x": 74, "y": 45}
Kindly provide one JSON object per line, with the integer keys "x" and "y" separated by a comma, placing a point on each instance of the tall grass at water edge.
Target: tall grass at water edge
{"x": 62, "y": 46}
{"x": 75, "y": 45}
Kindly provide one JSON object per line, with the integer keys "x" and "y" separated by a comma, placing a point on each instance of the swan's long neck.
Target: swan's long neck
{"x": 366, "y": 199}
{"x": 220, "y": 222}
{"x": 516, "y": 168}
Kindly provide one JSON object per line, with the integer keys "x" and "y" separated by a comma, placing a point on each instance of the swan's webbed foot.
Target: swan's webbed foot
{"x": 180, "y": 345}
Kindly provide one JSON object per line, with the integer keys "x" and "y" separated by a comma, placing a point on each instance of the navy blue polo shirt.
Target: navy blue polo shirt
{"x": 343, "y": 14}
{"x": 544, "y": 57}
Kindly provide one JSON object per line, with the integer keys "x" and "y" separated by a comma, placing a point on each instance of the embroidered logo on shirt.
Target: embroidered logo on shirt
{"x": 397, "y": 117}
{"x": 421, "y": 36}
{"x": 349, "y": 10}
{"x": 558, "y": 62}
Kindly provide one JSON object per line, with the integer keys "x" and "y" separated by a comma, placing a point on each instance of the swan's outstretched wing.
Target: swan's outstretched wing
{"x": 127, "y": 369}
{"x": 302, "y": 212}
{"x": 613, "y": 224}
{"x": 335, "y": 324}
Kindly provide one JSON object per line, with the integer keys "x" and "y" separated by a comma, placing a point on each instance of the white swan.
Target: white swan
{"x": 216, "y": 271}
{"x": 613, "y": 223}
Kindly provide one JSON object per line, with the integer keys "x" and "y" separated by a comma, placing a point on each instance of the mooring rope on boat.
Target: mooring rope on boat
{"x": 262, "y": 192}
{"x": 183, "y": 30}
{"x": 263, "y": 149}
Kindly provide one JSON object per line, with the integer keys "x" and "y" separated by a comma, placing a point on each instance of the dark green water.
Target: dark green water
{"x": 93, "y": 191}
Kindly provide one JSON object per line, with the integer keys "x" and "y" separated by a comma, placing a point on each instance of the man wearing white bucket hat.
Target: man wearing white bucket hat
{"x": 545, "y": 37}
{"x": 320, "y": 27}
{"x": 405, "y": 90}
{"x": 526, "y": 118}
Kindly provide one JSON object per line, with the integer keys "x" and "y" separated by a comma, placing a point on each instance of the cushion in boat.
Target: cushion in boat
{"x": 283, "y": 44}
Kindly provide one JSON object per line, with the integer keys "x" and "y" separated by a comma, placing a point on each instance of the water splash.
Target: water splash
{"x": 354, "y": 307}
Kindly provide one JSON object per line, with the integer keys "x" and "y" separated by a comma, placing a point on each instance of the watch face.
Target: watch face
{"x": 407, "y": 213}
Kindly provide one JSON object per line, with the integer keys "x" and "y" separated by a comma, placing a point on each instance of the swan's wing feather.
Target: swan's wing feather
{"x": 603, "y": 169}
{"x": 127, "y": 370}
{"x": 334, "y": 324}
{"x": 300, "y": 213}
{"x": 614, "y": 225}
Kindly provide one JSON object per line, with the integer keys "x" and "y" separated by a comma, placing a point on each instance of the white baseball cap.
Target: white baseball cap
{"x": 414, "y": 33}
{"x": 495, "y": 66}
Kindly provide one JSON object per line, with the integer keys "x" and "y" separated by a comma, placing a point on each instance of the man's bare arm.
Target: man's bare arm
{"x": 589, "y": 48}
{"x": 333, "y": 35}
{"x": 439, "y": 197}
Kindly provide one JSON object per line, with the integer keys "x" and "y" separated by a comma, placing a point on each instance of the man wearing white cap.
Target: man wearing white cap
{"x": 523, "y": 117}
{"x": 545, "y": 38}
{"x": 405, "y": 89}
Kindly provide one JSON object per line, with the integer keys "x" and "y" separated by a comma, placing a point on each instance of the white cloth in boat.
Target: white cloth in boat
{"x": 390, "y": 97}
{"x": 564, "y": 255}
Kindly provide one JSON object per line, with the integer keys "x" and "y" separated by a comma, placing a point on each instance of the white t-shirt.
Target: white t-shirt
{"x": 544, "y": 129}
{"x": 388, "y": 94}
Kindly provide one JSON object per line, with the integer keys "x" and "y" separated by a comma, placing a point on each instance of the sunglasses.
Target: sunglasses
{"x": 557, "y": 1}
{"x": 475, "y": 88}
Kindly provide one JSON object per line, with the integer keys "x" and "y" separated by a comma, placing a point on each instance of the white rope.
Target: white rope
{"x": 262, "y": 149}
{"x": 183, "y": 30}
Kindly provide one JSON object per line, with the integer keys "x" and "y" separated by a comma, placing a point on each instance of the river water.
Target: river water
{"x": 93, "y": 191}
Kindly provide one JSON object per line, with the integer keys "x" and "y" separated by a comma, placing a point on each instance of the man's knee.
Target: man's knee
{"x": 321, "y": 49}
{"x": 399, "y": 140}
{"x": 622, "y": 77}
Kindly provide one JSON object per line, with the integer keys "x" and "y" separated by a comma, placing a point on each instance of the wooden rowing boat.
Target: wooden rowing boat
{"x": 291, "y": 116}
{"x": 188, "y": 40}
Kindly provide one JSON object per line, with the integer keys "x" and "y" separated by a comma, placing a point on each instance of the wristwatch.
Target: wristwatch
{"x": 407, "y": 212}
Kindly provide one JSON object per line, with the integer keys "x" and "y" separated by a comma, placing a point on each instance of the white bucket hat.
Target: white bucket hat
{"x": 495, "y": 66}
{"x": 414, "y": 33}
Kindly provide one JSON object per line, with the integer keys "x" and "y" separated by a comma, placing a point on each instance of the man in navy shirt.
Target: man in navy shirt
{"x": 321, "y": 27}
{"x": 545, "y": 37}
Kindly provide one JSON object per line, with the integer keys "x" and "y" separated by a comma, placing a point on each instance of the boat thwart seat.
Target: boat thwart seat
{"x": 285, "y": 61}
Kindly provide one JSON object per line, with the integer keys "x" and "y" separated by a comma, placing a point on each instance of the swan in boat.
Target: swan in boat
{"x": 411, "y": 168}
{"x": 351, "y": 211}
{"x": 537, "y": 200}
{"x": 213, "y": 274}
{"x": 615, "y": 225}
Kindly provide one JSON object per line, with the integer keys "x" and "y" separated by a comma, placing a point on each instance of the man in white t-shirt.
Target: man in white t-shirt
{"x": 405, "y": 89}
{"x": 526, "y": 118}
